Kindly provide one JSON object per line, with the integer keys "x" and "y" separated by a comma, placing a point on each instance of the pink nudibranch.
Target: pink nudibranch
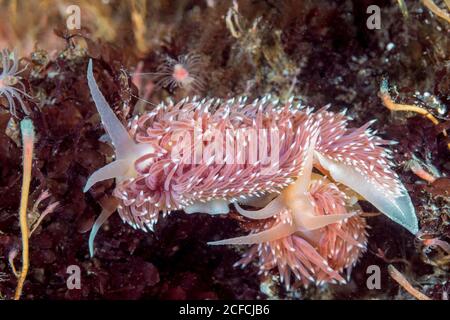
{"x": 149, "y": 182}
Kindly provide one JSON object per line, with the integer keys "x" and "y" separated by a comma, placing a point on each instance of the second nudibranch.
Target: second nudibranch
{"x": 149, "y": 182}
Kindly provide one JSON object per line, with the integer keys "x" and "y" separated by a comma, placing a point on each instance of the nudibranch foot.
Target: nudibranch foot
{"x": 212, "y": 207}
{"x": 109, "y": 206}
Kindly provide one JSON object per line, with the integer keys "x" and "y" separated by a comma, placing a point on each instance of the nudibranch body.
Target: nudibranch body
{"x": 173, "y": 158}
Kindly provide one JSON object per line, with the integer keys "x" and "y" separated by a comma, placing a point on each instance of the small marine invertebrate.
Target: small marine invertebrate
{"x": 9, "y": 78}
{"x": 184, "y": 72}
{"x": 172, "y": 159}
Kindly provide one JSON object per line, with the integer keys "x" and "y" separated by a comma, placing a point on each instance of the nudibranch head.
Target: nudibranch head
{"x": 202, "y": 155}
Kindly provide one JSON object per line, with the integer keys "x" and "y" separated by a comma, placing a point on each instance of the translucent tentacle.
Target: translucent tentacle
{"x": 281, "y": 230}
{"x": 317, "y": 222}
{"x": 397, "y": 208}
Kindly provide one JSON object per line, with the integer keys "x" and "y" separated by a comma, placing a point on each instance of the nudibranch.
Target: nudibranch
{"x": 313, "y": 218}
{"x": 318, "y": 253}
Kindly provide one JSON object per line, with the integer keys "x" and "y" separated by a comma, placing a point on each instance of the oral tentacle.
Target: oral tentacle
{"x": 279, "y": 231}
{"x": 311, "y": 253}
{"x": 268, "y": 211}
{"x": 115, "y": 169}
